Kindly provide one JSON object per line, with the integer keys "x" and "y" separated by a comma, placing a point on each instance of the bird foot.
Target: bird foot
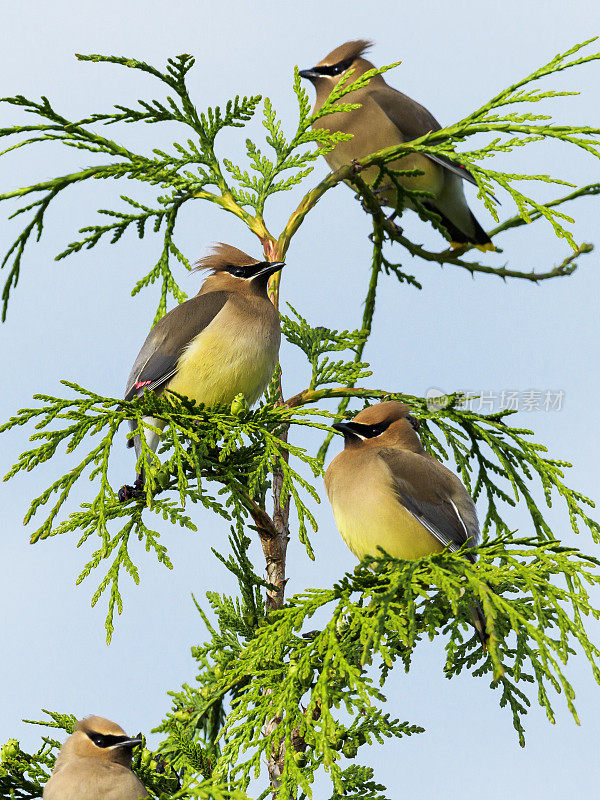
{"x": 127, "y": 492}
{"x": 399, "y": 230}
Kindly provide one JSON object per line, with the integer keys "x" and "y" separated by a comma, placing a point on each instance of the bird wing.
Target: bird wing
{"x": 414, "y": 120}
{"x": 157, "y": 360}
{"x": 434, "y": 496}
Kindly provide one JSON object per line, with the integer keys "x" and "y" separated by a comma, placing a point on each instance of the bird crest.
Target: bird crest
{"x": 93, "y": 724}
{"x": 349, "y": 51}
{"x": 222, "y": 256}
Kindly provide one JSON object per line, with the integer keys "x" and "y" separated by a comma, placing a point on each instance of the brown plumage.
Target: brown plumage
{"x": 220, "y": 343}
{"x": 387, "y": 492}
{"x": 347, "y": 51}
{"x": 94, "y": 763}
{"x": 221, "y": 256}
{"x": 387, "y": 118}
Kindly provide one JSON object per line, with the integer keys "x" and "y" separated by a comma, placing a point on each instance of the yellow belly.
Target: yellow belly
{"x": 369, "y": 516}
{"x": 432, "y": 179}
{"x": 214, "y": 370}
{"x": 373, "y": 131}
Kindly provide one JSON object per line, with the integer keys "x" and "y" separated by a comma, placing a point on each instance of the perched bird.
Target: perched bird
{"x": 220, "y": 343}
{"x": 95, "y": 763}
{"x": 386, "y": 491}
{"x": 387, "y": 118}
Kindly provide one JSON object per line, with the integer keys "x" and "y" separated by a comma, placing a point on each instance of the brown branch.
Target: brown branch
{"x": 274, "y": 537}
{"x": 275, "y": 546}
{"x": 263, "y": 522}
{"x": 566, "y": 267}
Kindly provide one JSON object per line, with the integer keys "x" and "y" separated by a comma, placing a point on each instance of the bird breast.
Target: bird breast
{"x": 235, "y": 354}
{"x": 86, "y": 778}
{"x": 367, "y": 512}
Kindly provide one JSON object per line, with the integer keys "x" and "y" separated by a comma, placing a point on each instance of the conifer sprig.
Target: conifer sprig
{"x": 377, "y": 616}
{"x": 268, "y": 688}
{"x": 315, "y": 343}
{"x": 236, "y": 451}
{"x": 184, "y": 174}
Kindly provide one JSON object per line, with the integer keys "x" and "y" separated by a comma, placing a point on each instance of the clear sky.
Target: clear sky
{"x": 74, "y": 319}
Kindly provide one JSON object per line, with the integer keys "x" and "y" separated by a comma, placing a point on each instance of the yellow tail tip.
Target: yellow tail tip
{"x": 488, "y": 247}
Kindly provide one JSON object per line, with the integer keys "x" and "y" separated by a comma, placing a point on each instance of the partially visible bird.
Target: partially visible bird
{"x": 220, "y": 343}
{"x": 387, "y": 491}
{"x": 387, "y": 118}
{"x": 95, "y": 764}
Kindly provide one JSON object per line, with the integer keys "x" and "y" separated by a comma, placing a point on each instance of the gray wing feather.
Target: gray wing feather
{"x": 453, "y": 521}
{"x": 157, "y": 360}
{"x": 453, "y": 167}
{"x": 411, "y": 118}
{"x": 414, "y": 120}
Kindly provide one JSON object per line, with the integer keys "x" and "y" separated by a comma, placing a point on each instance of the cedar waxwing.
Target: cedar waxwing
{"x": 386, "y": 491}
{"x": 387, "y": 118}
{"x": 95, "y": 764}
{"x": 222, "y": 342}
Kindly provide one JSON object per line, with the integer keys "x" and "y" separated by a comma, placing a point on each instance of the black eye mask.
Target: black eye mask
{"x": 246, "y": 271}
{"x": 361, "y": 431}
{"x": 250, "y": 271}
{"x": 106, "y": 740}
{"x": 334, "y": 69}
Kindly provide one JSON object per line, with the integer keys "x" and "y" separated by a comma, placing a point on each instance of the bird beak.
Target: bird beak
{"x": 133, "y": 742}
{"x": 270, "y": 268}
{"x": 347, "y": 428}
{"x": 309, "y": 74}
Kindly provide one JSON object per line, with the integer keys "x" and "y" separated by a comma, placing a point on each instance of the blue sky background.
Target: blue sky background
{"x": 74, "y": 319}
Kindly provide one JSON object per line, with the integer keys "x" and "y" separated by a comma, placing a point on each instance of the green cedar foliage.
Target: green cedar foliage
{"x": 268, "y": 688}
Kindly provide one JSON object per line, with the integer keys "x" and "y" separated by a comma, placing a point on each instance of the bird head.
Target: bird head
{"x": 233, "y": 270}
{"x": 387, "y": 424}
{"x": 101, "y": 739}
{"x": 326, "y": 74}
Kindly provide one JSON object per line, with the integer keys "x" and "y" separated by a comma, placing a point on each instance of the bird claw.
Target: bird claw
{"x": 127, "y": 492}
{"x": 399, "y": 230}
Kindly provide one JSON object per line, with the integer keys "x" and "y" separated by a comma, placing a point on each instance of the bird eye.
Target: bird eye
{"x": 334, "y": 69}
{"x": 337, "y": 69}
{"x": 106, "y": 740}
{"x": 377, "y": 430}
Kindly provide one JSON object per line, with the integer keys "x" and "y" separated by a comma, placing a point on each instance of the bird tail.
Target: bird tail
{"x": 481, "y": 240}
{"x": 459, "y": 238}
{"x": 479, "y": 623}
{"x": 479, "y": 237}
